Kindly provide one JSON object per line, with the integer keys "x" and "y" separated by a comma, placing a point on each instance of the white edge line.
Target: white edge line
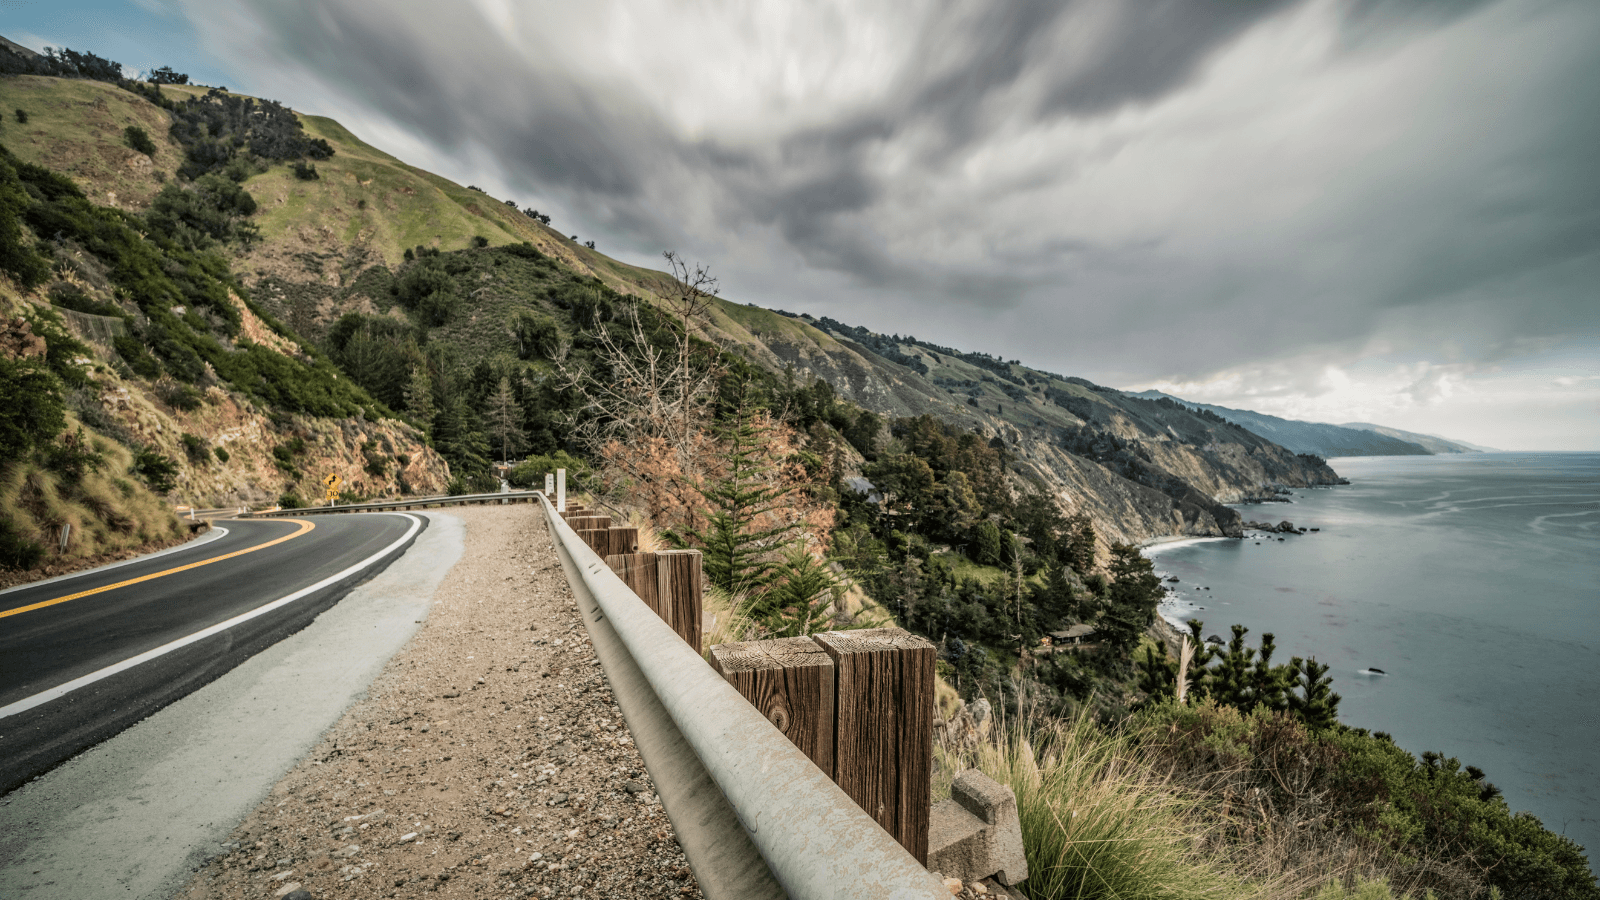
{"x": 62, "y": 690}
{"x": 216, "y": 532}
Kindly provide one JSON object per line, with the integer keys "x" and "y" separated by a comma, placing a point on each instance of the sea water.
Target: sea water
{"x": 1472, "y": 581}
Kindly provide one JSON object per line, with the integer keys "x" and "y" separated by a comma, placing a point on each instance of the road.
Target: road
{"x": 82, "y": 658}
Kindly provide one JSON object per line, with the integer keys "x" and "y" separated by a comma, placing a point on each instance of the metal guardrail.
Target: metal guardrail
{"x": 414, "y": 503}
{"x": 755, "y": 816}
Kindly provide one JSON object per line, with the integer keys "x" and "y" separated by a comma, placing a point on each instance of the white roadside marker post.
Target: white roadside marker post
{"x": 561, "y": 490}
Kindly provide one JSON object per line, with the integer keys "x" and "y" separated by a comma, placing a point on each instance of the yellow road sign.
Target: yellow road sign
{"x": 333, "y": 481}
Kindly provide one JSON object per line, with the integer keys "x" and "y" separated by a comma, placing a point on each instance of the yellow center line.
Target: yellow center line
{"x": 305, "y": 526}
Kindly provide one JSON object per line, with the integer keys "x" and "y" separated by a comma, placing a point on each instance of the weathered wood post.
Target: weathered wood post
{"x": 598, "y": 539}
{"x": 624, "y": 539}
{"x": 679, "y": 585}
{"x": 638, "y": 572}
{"x": 791, "y": 681}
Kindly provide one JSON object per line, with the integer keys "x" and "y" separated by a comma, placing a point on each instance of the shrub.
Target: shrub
{"x": 158, "y": 471}
{"x": 289, "y": 501}
{"x": 16, "y": 551}
{"x": 305, "y": 171}
{"x": 136, "y": 355}
{"x": 72, "y": 456}
{"x": 31, "y": 408}
{"x": 139, "y": 139}
{"x": 195, "y": 448}
{"x": 530, "y": 472}
{"x": 16, "y": 257}
{"x": 179, "y": 396}
{"x": 480, "y": 241}
{"x": 22, "y": 117}
{"x": 221, "y": 453}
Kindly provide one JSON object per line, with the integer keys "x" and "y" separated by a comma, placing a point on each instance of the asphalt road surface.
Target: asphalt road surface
{"x": 84, "y": 657}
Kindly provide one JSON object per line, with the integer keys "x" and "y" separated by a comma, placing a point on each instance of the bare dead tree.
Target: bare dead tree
{"x": 649, "y": 403}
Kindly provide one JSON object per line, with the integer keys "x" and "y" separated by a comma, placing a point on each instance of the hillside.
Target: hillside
{"x": 337, "y": 244}
{"x": 158, "y": 351}
{"x": 1430, "y": 442}
{"x": 1309, "y": 437}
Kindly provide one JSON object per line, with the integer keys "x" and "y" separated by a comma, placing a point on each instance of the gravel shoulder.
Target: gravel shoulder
{"x": 487, "y": 760}
{"x": 137, "y": 814}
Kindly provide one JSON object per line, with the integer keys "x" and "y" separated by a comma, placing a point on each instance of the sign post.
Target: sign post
{"x": 332, "y": 482}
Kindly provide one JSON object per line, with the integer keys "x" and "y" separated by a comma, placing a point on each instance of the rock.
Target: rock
{"x": 292, "y": 887}
{"x": 410, "y": 836}
{"x": 1173, "y": 579}
{"x": 350, "y": 850}
{"x": 558, "y": 799}
{"x": 953, "y": 885}
{"x": 1376, "y": 671}
{"x": 634, "y": 787}
{"x": 981, "y": 713}
{"x": 282, "y": 875}
{"x": 1286, "y": 527}
{"x": 297, "y": 895}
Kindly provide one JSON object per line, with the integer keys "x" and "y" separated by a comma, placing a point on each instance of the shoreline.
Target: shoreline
{"x": 1172, "y": 541}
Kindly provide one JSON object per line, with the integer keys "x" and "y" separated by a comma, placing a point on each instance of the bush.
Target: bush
{"x": 139, "y": 139}
{"x": 31, "y": 407}
{"x": 22, "y": 117}
{"x": 221, "y": 453}
{"x": 530, "y": 472}
{"x": 195, "y": 448}
{"x": 289, "y": 501}
{"x": 136, "y": 355}
{"x": 156, "y": 470}
{"x": 305, "y": 171}
{"x": 16, "y": 551}
{"x": 16, "y": 257}
{"x": 179, "y": 396}
{"x": 480, "y": 241}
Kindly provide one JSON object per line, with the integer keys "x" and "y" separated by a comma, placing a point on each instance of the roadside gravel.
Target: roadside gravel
{"x": 488, "y": 759}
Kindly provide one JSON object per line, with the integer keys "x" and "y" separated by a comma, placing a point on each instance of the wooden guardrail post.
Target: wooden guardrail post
{"x": 624, "y": 539}
{"x": 638, "y": 572}
{"x": 791, "y": 681}
{"x": 669, "y": 582}
{"x": 881, "y": 715}
{"x": 883, "y": 723}
{"x": 680, "y": 585}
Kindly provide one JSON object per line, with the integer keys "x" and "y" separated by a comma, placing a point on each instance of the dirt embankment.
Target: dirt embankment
{"x": 489, "y": 759}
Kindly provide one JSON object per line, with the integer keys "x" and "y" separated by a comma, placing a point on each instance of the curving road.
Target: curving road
{"x": 83, "y": 657}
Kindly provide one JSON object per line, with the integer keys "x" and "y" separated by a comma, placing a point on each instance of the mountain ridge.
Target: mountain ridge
{"x": 1324, "y": 439}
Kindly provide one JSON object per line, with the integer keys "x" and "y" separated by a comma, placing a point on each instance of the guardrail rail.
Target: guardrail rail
{"x": 755, "y": 816}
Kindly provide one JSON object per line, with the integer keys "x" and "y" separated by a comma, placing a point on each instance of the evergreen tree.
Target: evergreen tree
{"x": 1316, "y": 704}
{"x": 740, "y": 538}
{"x": 505, "y": 417}
{"x": 419, "y": 396}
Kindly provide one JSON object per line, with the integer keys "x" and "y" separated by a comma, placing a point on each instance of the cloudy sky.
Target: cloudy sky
{"x": 1337, "y": 210}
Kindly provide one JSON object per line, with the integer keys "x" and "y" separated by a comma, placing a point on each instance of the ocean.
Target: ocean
{"x": 1472, "y": 581}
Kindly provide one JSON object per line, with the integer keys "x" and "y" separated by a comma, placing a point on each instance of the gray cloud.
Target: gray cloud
{"x": 1125, "y": 189}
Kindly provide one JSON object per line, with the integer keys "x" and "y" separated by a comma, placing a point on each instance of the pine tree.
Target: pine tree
{"x": 1316, "y": 705}
{"x": 739, "y": 540}
{"x": 1270, "y": 685}
{"x": 419, "y": 397}
{"x": 505, "y": 416}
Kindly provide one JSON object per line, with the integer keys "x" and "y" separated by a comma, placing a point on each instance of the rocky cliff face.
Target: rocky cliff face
{"x": 1138, "y": 468}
